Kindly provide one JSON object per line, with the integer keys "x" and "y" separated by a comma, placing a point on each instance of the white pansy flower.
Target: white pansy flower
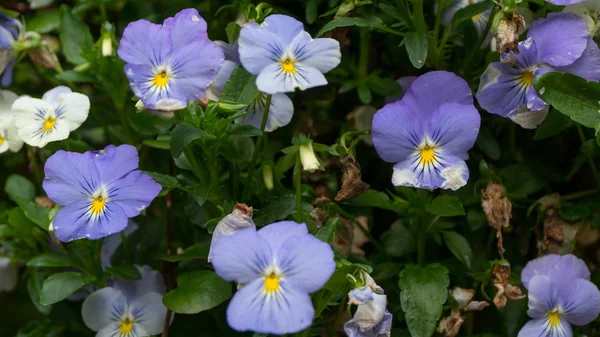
{"x": 9, "y": 137}
{"x": 589, "y": 10}
{"x": 51, "y": 118}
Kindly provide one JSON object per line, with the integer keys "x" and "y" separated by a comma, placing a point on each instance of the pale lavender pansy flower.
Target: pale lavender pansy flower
{"x": 560, "y": 294}
{"x": 128, "y": 308}
{"x": 279, "y": 266}
{"x": 9, "y": 274}
{"x": 428, "y": 132}
{"x": 281, "y": 110}
{"x": 560, "y": 43}
{"x": 285, "y": 56}
{"x": 9, "y": 135}
{"x": 371, "y": 318}
{"x": 170, "y": 64}
{"x": 10, "y": 29}
{"x": 99, "y": 191}
{"x": 59, "y": 112}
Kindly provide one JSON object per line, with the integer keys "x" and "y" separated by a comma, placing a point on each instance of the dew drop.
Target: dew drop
{"x": 542, "y": 91}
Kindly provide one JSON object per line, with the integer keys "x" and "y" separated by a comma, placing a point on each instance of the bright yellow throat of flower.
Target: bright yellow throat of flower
{"x": 160, "y": 80}
{"x": 126, "y": 326}
{"x": 2, "y": 139}
{"x": 528, "y": 78}
{"x": 554, "y": 318}
{"x": 288, "y": 66}
{"x": 49, "y": 124}
{"x": 98, "y": 205}
{"x": 427, "y": 155}
{"x": 271, "y": 283}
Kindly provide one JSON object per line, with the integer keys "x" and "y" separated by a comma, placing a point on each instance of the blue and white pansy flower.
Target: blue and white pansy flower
{"x": 128, "y": 308}
{"x": 52, "y": 118}
{"x": 10, "y": 29}
{"x": 285, "y": 56}
{"x": 9, "y": 136}
{"x": 480, "y": 20}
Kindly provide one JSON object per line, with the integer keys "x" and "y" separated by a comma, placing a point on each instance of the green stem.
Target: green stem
{"x": 259, "y": 141}
{"x": 363, "y": 61}
{"x": 340, "y": 312}
{"x": 390, "y": 30}
{"x": 438, "y": 22}
{"x": 469, "y": 59}
{"x": 422, "y": 243}
{"x": 37, "y": 172}
{"x": 67, "y": 144}
{"x": 590, "y": 158}
{"x": 580, "y": 194}
{"x": 351, "y": 217}
{"x": 419, "y": 16}
{"x": 189, "y": 154}
{"x": 298, "y": 183}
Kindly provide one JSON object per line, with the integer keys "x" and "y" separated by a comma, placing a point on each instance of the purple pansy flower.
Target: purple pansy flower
{"x": 9, "y": 32}
{"x": 286, "y": 57}
{"x": 371, "y": 319}
{"x": 128, "y": 308}
{"x": 560, "y": 294}
{"x": 559, "y": 42}
{"x": 99, "y": 191}
{"x": 281, "y": 110}
{"x": 428, "y": 132}
{"x": 278, "y": 266}
{"x": 170, "y": 64}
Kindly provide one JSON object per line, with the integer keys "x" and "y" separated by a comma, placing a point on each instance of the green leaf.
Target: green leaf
{"x": 467, "y": 13}
{"x": 197, "y": 291}
{"x": 398, "y": 241}
{"x": 165, "y": 180}
{"x": 327, "y": 232}
{"x": 554, "y": 124}
{"x": 364, "y": 94}
{"x": 312, "y": 8}
{"x": 372, "y": 22}
{"x": 446, "y": 205}
{"x": 198, "y": 251}
{"x": 34, "y": 288}
{"x": 275, "y": 210}
{"x": 416, "y": 46}
{"x": 233, "y": 32}
{"x": 74, "y": 36}
{"x": 19, "y": 187}
{"x": 125, "y": 272}
{"x": 75, "y": 77}
{"x": 373, "y": 198}
{"x": 44, "y": 21}
{"x": 245, "y": 130}
{"x": 59, "y": 286}
{"x": 459, "y": 246}
{"x": 157, "y": 144}
{"x": 241, "y": 87}
{"x": 184, "y": 134}
{"x": 572, "y": 96}
{"x": 35, "y": 212}
{"x": 488, "y": 144}
{"x": 50, "y": 260}
{"x": 423, "y": 294}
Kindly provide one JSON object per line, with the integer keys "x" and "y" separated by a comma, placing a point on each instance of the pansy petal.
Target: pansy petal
{"x": 431, "y": 90}
{"x": 273, "y": 79}
{"x": 539, "y": 327}
{"x": 152, "y": 282}
{"x": 73, "y": 108}
{"x": 454, "y": 127}
{"x": 70, "y": 177}
{"x": 145, "y": 43}
{"x": 215, "y": 89}
{"x": 283, "y": 26}
{"x": 543, "y": 296}
{"x": 134, "y": 192}
{"x": 97, "y": 308}
{"x": 52, "y": 95}
{"x": 539, "y": 266}
{"x": 588, "y": 65}
{"x": 259, "y": 48}
{"x": 75, "y": 221}
{"x": 569, "y": 265}
{"x": 289, "y": 310}
{"x": 580, "y": 300}
{"x": 397, "y": 131}
{"x": 241, "y": 257}
{"x": 114, "y": 162}
{"x": 280, "y": 113}
{"x": 149, "y": 313}
{"x": 446, "y": 170}
{"x": 503, "y": 89}
{"x": 322, "y": 54}
{"x": 194, "y": 67}
{"x": 306, "y": 261}
{"x": 231, "y": 51}
{"x": 278, "y": 233}
{"x": 164, "y": 98}
{"x": 569, "y": 29}
{"x": 186, "y": 27}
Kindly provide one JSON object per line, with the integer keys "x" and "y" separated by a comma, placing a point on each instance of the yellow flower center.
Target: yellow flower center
{"x": 288, "y": 66}
{"x": 160, "y": 80}
{"x": 476, "y": 17}
{"x": 554, "y": 318}
{"x": 2, "y": 139}
{"x": 427, "y": 155}
{"x": 98, "y": 205}
{"x": 528, "y": 78}
{"x": 49, "y": 124}
{"x": 126, "y": 326}
{"x": 271, "y": 283}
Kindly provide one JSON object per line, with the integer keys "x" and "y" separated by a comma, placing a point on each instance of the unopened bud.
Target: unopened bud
{"x": 268, "y": 176}
{"x": 140, "y": 106}
{"x": 239, "y": 219}
{"x": 107, "y": 45}
{"x": 309, "y": 160}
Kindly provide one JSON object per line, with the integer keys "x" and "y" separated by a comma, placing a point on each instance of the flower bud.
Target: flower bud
{"x": 107, "y": 45}
{"x": 371, "y": 318}
{"x": 268, "y": 176}
{"x": 309, "y": 160}
{"x": 140, "y": 106}
{"x": 240, "y": 218}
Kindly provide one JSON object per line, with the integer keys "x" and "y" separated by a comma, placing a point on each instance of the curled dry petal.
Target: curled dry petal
{"x": 352, "y": 183}
{"x": 497, "y": 208}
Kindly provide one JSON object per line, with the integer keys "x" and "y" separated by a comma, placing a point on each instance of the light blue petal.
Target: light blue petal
{"x": 540, "y": 327}
{"x": 287, "y": 311}
{"x": 51, "y": 95}
{"x": 186, "y": 27}
{"x": 539, "y": 266}
{"x": 306, "y": 261}
{"x": 216, "y": 87}
{"x": 278, "y": 233}
{"x": 145, "y": 43}
{"x": 580, "y": 299}
{"x": 397, "y": 132}
{"x": 543, "y": 297}
{"x": 151, "y": 282}
{"x": 588, "y": 65}
{"x": 242, "y": 257}
{"x": 322, "y": 54}
{"x": 259, "y": 48}
{"x": 280, "y": 113}
{"x": 561, "y": 38}
{"x": 97, "y": 309}
{"x": 447, "y": 171}
{"x": 454, "y": 127}
{"x": 360, "y": 295}
{"x": 70, "y": 177}
{"x": 285, "y": 27}
{"x": 165, "y": 98}
{"x": 115, "y": 162}
{"x": 133, "y": 193}
{"x": 149, "y": 313}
